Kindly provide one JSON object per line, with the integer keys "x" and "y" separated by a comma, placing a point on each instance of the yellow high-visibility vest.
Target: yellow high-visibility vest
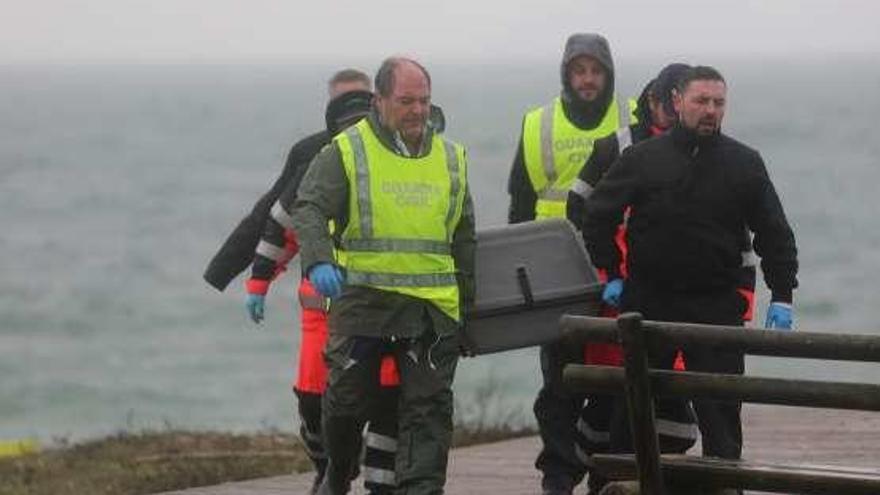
{"x": 402, "y": 215}
{"x": 555, "y": 150}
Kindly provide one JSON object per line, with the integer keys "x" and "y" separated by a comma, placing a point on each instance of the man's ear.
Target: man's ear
{"x": 676, "y": 101}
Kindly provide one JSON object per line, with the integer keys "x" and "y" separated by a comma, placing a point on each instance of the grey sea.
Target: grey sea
{"x": 118, "y": 183}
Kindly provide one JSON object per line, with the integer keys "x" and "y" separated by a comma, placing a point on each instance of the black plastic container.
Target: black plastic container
{"x": 528, "y": 275}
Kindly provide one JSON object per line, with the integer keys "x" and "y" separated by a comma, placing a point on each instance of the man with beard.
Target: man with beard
{"x": 693, "y": 192}
{"x": 676, "y": 426}
{"x": 556, "y": 141}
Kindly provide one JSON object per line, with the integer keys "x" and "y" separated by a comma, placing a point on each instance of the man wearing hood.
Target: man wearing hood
{"x": 694, "y": 193}
{"x": 556, "y": 140}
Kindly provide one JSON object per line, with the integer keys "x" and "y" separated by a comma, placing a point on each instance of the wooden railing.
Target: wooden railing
{"x": 640, "y": 384}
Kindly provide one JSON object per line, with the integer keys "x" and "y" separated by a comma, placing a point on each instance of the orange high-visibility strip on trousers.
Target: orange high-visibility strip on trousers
{"x": 312, "y": 375}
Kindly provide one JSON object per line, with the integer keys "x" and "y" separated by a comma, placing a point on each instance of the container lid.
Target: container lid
{"x": 530, "y": 264}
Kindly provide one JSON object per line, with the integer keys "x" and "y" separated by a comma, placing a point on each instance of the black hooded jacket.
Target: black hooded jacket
{"x": 605, "y": 152}
{"x": 237, "y": 252}
{"x": 692, "y": 199}
{"x": 582, "y": 114}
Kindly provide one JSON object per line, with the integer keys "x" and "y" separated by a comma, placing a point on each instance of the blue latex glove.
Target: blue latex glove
{"x": 779, "y": 315}
{"x": 327, "y": 279}
{"x": 613, "y": 290}
{"x": 255, "y": 303}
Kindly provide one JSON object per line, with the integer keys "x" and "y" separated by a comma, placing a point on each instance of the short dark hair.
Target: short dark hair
{"x": 699, "y": 73}
{"x": 349, "y": 75}
{"x": 385, "y": 75}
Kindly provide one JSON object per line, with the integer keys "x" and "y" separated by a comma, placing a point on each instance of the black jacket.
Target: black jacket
{"x": 237, "y": 252}
{"x": 605, "y": 152}
{"x": 691, "y": 200}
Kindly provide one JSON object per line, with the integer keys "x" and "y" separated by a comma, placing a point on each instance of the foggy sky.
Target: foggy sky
{"x": 206, "y": 31}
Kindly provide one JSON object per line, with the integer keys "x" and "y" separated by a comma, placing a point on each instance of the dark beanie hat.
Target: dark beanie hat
{"x": 665, "y": 82}
{"x": 346, "y": 109}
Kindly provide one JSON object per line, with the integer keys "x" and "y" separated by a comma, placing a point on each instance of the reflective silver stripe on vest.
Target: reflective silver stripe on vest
{"x": 312, "y": 301}
{"x": 452, "y": 166}
{"x": 379, "y": 476}
{"x": 677, "y": 430}
{"x": 749, "y": 258}
{"x": 547, "y": 145}
{"x": 554, "y": 194}
{"x": 282, "y": 216}
{"x": 397, "y": 246}
{"x": 581, "y": 188}
{"x": 381, "y": 442}
{"x": 271, "y": 251}
{"x": 362, "y": 172}
{"x": 400, "y": 279}
{"x": 624, "y": 139}
{"x": 623, "y": 114}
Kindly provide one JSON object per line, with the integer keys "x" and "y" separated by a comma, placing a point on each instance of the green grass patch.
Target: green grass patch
{"x": 151, "y": 462}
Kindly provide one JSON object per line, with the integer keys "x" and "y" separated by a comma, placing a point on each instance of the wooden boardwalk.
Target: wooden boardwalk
{"x": 772, "y": 433}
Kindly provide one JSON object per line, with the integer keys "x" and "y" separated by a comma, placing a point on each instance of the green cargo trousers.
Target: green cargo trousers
{"x": 427, "y": 367}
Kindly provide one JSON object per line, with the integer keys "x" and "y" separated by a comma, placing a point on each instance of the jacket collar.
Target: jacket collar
{"x": 688, "y": 141}
{"x": 394, "y": 142}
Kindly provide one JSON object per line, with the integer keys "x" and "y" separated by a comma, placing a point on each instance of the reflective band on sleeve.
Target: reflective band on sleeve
{"x": 381, "y": 442}
{"x": 401, "y": 280}
{"x": 311, "y": 435}
{"x": 362, "y": 170}
{"x": 313, "y": 444}
{"x": 582, "y": 456}
{"x": 624, "y": 138}
{"x": 581, "y": 188}
{"x": 282, "y": 216}
{"x": 547, "y": 144}
{"x": 452, "y": 166}
{"x": 749, "y": 258}
{"x": 256, "y": 286}
{"x": 397, "y": 246}
{"x": 314, "y": 452}
{"x": 675, "y": 429}
{"x": 594, "y": 436}
{"x": 624, "y": 111}
{"x": 271, "y": 251}
{"x": 379, "y": 476}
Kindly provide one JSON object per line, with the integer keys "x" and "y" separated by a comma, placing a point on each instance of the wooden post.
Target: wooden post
{"x": 641, "y": 404}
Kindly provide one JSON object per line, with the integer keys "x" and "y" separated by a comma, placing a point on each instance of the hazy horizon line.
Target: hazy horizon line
{"x": 833, "y": 56}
